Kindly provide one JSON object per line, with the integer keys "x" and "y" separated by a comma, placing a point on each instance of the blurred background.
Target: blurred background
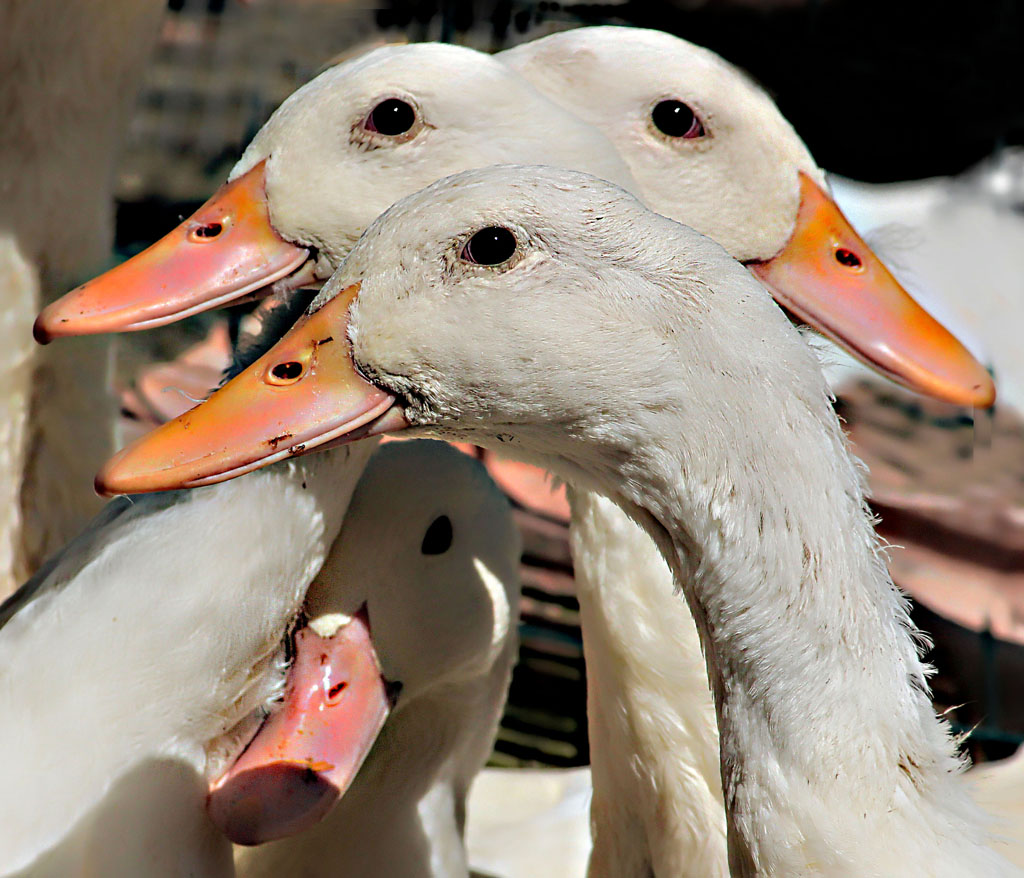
{"x": 916, "y": 107}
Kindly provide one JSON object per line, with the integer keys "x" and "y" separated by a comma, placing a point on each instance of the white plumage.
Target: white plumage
{"x": 704, "y": 415}
{"x": 160, "y": 629}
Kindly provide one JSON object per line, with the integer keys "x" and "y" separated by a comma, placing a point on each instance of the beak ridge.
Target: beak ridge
{"x": 829, "y": 278}
{"x": 302, "y": 394}
{"x": 226, "y": 250}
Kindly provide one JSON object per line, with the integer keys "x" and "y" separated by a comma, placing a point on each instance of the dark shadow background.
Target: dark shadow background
{"x": 880, "y": 90}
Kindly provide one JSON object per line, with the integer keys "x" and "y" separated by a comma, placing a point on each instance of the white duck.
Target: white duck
{"x": 150, "y": 716}
{"x": 71, "y": 71}
{"x": 709, "y": 148}
{"x": 331, "y": 167}
{"x": 336, "y": 153}
{"x": 429, "y": 545}
{"x": 631, "y": 356}
{"x": 633, "y": 795}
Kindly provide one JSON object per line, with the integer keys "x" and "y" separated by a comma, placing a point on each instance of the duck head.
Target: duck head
{"x": 384, "y": 634}
{"x": 336, "y": 153}
{"x": 472, "y": 310}
{"x": 708, "y": 147}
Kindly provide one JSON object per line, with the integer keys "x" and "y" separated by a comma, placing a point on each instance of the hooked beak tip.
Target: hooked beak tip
{"x": 102, "y": 484}
{"x": 41, "y": 329}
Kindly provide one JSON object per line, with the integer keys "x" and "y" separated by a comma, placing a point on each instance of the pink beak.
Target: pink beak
{"x": 306, "y": 754}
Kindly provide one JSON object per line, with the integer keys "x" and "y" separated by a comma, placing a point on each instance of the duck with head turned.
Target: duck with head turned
{"x": 430, "y": 550}
{"x": 632, "y": 357}
{"x": 153, "y": 716}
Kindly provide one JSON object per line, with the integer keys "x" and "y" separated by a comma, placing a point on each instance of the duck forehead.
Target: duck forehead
{"x": 613, "y": 77}
{"x": 621, "y": 65}
{"x": 350, "y": 87}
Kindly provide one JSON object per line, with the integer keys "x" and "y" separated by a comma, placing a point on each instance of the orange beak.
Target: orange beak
{"x": 306, "y": 754}
{"x": 226, "y": 250}
{"x": 303, "y": 393}
{"x": 829, "y": 278}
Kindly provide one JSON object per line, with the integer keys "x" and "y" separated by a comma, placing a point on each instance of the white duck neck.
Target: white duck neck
{"x": 828, "y": 738}
{"x": 657, "y": 800}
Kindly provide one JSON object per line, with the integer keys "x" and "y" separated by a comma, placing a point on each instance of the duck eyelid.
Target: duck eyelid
{"x": 701, "y": 118}
{"x": 456, "y": 256}
{"x": 367, "y": 132}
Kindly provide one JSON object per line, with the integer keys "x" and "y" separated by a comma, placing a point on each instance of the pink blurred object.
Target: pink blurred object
{"x": 530, "y": 487}
{"x": 165, "y": 390}
{"x": 951, "y": 492}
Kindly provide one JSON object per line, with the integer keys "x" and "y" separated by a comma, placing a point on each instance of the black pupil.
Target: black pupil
{"x": 438, "y": 538}
{"x": 672, "y": 118}
{"x": 393, "y": 117}
{"x": 491, "y": 246}
{"x": 287, "y": 371}
{"x": 210, "y": 230}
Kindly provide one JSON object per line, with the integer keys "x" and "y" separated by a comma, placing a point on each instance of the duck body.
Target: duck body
{"x": 168, "y": 613}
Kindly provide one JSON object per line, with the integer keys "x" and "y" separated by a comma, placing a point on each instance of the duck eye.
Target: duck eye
{"x": 490, "y": 246}
{"x": 391, "y": 117}
{"x": 438, "y": 538}
{"x": 675, "y": 119}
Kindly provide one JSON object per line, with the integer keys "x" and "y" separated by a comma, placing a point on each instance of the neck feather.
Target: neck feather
{"x": 829, "y": 742}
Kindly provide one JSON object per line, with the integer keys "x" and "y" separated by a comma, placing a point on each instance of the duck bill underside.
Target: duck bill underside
{"x": 226, "y": 251}
{"x": 301, "y": 395}
{"x": 829, "y": 278}
{"x": 306, "y": 754}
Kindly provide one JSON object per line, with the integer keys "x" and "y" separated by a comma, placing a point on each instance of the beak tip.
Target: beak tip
{"x": 42, "y": 332}
{"x": 986, "y": 395}
{"x": 101, "y": 487}
{"x": 271, "y": 802}
{"x": 109, "y": 482}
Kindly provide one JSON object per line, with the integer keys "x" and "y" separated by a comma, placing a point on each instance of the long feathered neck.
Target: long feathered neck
{"x": 833, "y": 761}
{"x": 659, "y": 811}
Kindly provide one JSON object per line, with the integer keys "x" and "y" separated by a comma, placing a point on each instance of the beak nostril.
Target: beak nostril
{"x": 848, "y": 258}
{"x": 206, "y": 232}
{"x": 286, "y": 373}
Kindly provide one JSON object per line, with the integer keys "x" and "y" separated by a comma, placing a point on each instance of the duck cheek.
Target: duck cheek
{"x": 306, "y": 754}
{"x": 830, "y": 279}
{"x": 226, "y": 250}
